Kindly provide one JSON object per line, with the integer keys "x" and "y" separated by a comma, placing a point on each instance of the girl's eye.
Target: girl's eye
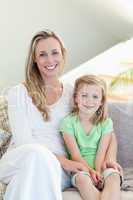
{"x": 95, "y": 96}
{"x": 84, "y": 95}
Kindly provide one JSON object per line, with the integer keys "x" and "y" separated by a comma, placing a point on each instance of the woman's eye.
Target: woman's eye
{"x": 55, "y": 53}
{"x": 43, "y": 54}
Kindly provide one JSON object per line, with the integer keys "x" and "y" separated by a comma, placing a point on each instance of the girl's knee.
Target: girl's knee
{"x": 112, "y": 175}
{"x": 82, "y": 179}
{"x": 114, "y": 180}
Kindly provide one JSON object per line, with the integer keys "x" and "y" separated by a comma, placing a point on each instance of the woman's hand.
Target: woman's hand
{"x": 71, "y": 166}
{"x": 74, "y": 166}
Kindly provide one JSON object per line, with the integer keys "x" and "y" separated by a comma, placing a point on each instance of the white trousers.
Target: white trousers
{"x": 32, "y": 172}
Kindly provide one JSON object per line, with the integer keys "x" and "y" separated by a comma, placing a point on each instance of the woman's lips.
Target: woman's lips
{"x": 51, "y": 67}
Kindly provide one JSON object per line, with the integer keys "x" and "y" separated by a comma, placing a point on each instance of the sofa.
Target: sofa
{"x": 122, "y": 115}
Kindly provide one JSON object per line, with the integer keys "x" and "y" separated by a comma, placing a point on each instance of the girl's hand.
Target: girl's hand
{"x": 95, "y": 176}
{"x": 112, "y": 164}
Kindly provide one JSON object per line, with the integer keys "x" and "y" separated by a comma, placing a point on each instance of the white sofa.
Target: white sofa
{"x": 122, "y": 115}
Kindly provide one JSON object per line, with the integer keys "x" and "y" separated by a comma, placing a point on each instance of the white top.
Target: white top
{"x": 27, "y": 123}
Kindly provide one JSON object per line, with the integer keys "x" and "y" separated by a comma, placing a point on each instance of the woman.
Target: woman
{"x": 35, "y": 165}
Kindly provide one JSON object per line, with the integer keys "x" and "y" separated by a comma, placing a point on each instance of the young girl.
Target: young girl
{"x": 87, "y": 133}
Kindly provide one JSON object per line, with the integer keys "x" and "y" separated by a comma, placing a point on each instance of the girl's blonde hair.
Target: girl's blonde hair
{"x": 101, "y": 113}
{"x": 33, "y": 80}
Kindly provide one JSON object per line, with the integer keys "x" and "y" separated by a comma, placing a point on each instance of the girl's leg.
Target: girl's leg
{"x": 111, "y": 189}
{"x": 32, "y": 172}
{"x": 86, "y": 188}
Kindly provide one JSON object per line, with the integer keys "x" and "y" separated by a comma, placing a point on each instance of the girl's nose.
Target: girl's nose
{"x": 90, "y": 101}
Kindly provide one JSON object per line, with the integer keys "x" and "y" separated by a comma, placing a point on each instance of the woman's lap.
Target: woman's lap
{"x": 15, "y": 158}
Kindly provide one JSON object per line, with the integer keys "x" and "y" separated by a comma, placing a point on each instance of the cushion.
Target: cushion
{"x": 4, "y": 141}
{"x": 4, "y": 137}
{"x": 5, "y": 133}
{"x": 74, "y": 194}
{"x": 128, "y": 180}
{"x": 2, "y": 190}
{"x": 122, "y": 116}
{"x": 4, "y": 122}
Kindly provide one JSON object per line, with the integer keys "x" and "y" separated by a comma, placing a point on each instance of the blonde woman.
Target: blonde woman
{"x": 36, "y": 165}
{"x": 87, "y": 132}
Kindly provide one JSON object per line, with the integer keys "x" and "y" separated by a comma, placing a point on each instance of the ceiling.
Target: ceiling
{"x": 114, "y": 16}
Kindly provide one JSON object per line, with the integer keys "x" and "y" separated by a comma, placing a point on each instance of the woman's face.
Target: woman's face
{"x": 49, "y": 58}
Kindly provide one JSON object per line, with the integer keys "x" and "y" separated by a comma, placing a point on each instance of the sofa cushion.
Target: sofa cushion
{"x": 4, "y": 141}
{"x": 5, "y": 133}
{"x": 4, "y": 122}
{"x": 128, "y": 179}
{"x": 4, "y": 137}
{"x": 122, "y": 116}
{"x": 74, "y": 195}
{"x": 2, "y": 190}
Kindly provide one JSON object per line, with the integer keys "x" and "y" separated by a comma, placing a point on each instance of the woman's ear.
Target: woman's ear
{"x": 34, "y": 57}
{"x": 75, "y": 99}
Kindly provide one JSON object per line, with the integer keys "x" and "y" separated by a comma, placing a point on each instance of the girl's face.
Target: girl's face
{"x": 49, "y": 58}
{"x": 88, "y": 99}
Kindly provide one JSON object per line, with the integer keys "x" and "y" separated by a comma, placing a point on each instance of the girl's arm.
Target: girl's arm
{"x": 75, "y": 155}
{"x": 111, "y": 156}
{"x": 102, "y": 150}
{"x": 73, "y": 148}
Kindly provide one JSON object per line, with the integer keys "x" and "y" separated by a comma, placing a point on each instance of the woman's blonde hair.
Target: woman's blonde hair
{"x": 101, "y": 113}
{"x": 33, "y": 80}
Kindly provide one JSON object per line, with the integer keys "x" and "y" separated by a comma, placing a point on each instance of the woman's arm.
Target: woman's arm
{"x": 19, "y": 119}
{"x": 101, "y": 152}
{"x": 69, "y": 165}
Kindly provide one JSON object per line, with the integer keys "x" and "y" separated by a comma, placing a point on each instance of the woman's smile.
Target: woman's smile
{"x": 51, "y": 67}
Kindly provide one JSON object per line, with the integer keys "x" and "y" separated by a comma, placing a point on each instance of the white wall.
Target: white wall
{"x": 20, "y": 19}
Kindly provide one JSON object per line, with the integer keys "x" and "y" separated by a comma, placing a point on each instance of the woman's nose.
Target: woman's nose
{"x": 49, "y": 59}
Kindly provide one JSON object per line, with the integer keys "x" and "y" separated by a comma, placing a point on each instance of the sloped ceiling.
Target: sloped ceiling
{"x": 105, "y": 23}
{"x": 114, "y": 16}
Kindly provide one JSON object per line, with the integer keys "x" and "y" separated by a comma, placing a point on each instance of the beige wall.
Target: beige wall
{"x": 19, "y": 19}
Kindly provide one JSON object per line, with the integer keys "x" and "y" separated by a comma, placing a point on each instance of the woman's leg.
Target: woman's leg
{"x": 86, "y": 188}
{"x": 32, "y": 172}
{"x": 111, "y": 189}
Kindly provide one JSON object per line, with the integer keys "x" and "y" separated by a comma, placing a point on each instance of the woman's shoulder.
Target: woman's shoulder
{"x": 17, "y": 88}
{"x": 18, "y": 92}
